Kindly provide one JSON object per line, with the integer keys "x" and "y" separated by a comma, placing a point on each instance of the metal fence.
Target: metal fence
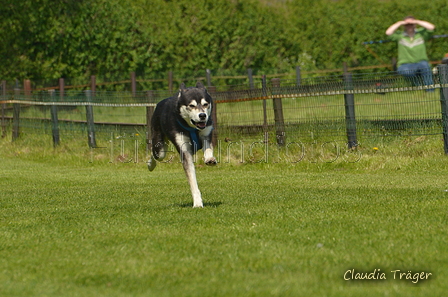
{"x": 345, "y": 108}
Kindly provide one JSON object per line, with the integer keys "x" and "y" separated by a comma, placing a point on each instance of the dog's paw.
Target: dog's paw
{"x": 211, "y": 161}
{"x": 199, "y": 205}
{"x": 151, "y": 164}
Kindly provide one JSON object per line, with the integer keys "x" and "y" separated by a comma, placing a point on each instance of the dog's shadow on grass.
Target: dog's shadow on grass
{"x": 206, "y": 204}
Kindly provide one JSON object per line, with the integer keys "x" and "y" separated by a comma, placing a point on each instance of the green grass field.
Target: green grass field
{"x": 73, "y": 227}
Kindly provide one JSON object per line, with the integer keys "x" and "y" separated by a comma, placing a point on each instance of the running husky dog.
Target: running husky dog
{"x": 185, "y": 120}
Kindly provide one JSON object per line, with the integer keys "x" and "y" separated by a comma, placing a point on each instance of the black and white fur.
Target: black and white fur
{"x": 185, "y": 120}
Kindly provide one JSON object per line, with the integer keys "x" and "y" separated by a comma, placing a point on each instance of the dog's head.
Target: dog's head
{"x": 195, "y": 105}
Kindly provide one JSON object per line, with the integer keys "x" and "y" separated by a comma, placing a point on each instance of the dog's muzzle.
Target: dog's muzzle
{"x": 200, "y": 125}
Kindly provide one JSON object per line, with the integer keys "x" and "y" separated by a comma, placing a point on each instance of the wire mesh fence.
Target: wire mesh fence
{"x": 306, "y": 110}
{"x": 394, "y": 113}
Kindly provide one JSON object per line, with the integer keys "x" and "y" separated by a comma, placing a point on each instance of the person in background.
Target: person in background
{"x": 412, "y": 58}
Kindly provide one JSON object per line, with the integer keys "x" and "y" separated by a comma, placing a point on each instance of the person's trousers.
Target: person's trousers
{"x": 416, "y": 73}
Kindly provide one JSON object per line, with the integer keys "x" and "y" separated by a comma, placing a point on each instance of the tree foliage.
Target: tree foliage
{"x": 48, "y": 39}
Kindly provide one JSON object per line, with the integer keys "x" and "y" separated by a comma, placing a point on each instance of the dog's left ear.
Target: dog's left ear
{"x": 182, "y": 88}
{"x": 199, "y": 85}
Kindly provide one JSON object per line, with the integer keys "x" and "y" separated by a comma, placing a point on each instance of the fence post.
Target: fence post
{"x": 212, "y": 91}
{"x": 3, "y": 109}
{"x": 208, "y": 75}
{"x": 170, "y": 81}
{"x": 27, "y": 88}
{"x": 264, "y": 93}
{"x": 61, "y": 89}
{"x": 251, "y": 78}
{"x": 16, "y": 115}
{"x": 54, "y": 119}
{"x": 93, "y": 86}
{"x": 278, "y": 113}
{"x": 149, "y": 114}
{"x": 90, "y": 121}
{"x": 298, "y": 76}
{"x": 443, "y": 74}
{"x": 350, "y": 119}
{"x": 133, "y": 84}
{"x": 394, "y": 64}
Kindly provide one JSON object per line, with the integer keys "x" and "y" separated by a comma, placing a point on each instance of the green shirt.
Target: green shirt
{"x": 411, "y": 50}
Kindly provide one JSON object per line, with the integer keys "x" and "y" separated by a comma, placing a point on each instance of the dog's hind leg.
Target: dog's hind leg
{"x": 159, "y": 148}
{"x": 152, "y": 163}
{"x": 158, "y": 154}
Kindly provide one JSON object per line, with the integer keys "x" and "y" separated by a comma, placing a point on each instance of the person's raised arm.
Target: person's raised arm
{"x": 425, "y": 24}
{"x": 394, "y": 27}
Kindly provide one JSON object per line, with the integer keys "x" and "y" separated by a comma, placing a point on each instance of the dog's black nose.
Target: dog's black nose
{"x": 202, "y": 116}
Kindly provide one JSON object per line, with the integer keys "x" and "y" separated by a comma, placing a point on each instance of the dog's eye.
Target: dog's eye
{"x": 205, "y": 105}
{"x": 192, "y": 106}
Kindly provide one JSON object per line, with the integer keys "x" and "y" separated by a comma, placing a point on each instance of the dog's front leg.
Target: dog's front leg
{"x": 206, "y": 138}
{"x": 209, "y": 159}
{"x": 188, "y": 164}
{"x": 185, "y": 150}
